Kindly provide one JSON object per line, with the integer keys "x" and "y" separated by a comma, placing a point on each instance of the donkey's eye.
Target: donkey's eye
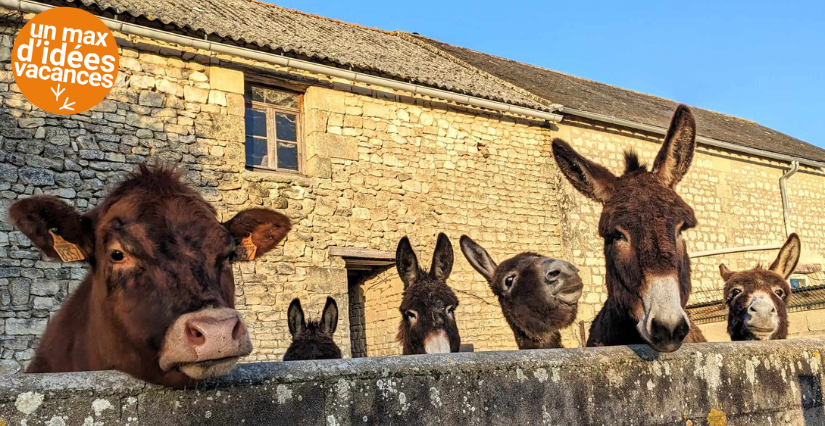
{"x": 735, "y": 292}
{"x": 451, "y": 310}
{"x": 617, "y": 236}
{"x": 508, "y": 282}
{"x": 779, "y": 292}
{"x": 410, "y": 315}
{"x": 116, "y": 256}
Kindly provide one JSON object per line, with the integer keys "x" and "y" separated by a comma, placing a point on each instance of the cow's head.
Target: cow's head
{"x": 162, "y": 295}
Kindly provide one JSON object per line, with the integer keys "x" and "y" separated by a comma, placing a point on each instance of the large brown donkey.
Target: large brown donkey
{"x": 757, "y": 298}
{"x": 642, "y": 220}
{"x": 158, "y": 301}
{"x": 428, "y": 308}
{"x": 538, "y": 295}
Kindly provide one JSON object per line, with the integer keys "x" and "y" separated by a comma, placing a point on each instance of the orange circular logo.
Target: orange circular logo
{"x": 65, "y": 60}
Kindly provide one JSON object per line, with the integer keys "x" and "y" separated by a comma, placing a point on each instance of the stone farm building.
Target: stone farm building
{"x": 362, "y": 136}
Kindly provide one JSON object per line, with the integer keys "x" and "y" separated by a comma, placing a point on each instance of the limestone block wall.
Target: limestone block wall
{"x": 422, "y": 170}
{"x": 754, "y": 383}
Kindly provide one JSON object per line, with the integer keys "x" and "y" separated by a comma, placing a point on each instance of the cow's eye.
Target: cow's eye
{"x": 116, "y": 256}
{"x": 779, "y": 292}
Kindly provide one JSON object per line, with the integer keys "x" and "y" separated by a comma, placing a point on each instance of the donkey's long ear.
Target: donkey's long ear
{"x": 406, "y": 262}
{"x": 479, "y": 259}
{"x": 261, "y": 227}
{"x": 586, "y": 176}
{"x": 788, "y": 257}
{"x": 49, "y": 222}
{"x": 329, "y": 317}
{"x": 725, "y": 272}
{"x": 676, "y": 153}
{"x": 442, "y": 258}
{"x": 295, "y": 318}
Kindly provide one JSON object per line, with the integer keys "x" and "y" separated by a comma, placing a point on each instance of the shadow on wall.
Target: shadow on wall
{"x": 811, "y": 394}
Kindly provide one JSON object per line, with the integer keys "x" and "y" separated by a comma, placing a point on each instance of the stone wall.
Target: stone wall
{"x": 379, "y": 165}
{"x": 706, "y": 384}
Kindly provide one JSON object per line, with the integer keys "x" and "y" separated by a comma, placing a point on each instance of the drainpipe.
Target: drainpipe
{"x": 783, "y": 190}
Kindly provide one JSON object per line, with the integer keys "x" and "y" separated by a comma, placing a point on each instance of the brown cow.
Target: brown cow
{"x": 158, "y": 301}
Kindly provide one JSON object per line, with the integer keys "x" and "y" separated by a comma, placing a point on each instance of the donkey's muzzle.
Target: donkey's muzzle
{"x": 664, "y": 322}
{"x": 667, "y": 337}
{"x": 762, "y": 319}
{"x": 564, "y": 280}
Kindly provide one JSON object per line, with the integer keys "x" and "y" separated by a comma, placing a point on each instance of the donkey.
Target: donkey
{"x": 159, "y": 299}
{"x": 538, "y": 295}
{"x": 428, "y": 306}
{"x": 312, "y": 340}
{"x": 642, "y": 221}
{"x": 757, "y": 298}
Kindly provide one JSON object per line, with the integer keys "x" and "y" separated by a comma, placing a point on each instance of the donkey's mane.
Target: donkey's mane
{"x": 632, "y": 162}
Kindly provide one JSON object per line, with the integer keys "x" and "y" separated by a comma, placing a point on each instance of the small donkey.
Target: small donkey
{"x": 312, "y": 340}
{"x": 428, "y": 307}
{"x": 538, "y": 295}
{"x": 757, "y": 298}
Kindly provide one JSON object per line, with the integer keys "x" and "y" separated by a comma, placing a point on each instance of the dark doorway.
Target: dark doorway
{"x": 361, "y": 265}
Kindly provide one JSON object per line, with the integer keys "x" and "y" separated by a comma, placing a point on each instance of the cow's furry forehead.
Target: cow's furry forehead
{"x": 154, "y": 202}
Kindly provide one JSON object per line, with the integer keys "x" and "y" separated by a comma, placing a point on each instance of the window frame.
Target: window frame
{"x": 271, "y": 111}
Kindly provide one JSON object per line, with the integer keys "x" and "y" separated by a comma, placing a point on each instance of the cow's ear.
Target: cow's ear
{"x": 54, "y": 227}
{"x": 257, "y": 231}
{"x": 295, "y": 318}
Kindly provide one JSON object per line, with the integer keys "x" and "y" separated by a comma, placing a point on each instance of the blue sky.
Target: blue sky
{"x": 763, "y": 61}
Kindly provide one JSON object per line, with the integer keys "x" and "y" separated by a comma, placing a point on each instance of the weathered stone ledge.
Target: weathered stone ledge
{"x": 714, "y": 383}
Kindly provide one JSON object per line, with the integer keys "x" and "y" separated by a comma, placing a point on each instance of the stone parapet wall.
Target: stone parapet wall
{"x": 701, "y": 384}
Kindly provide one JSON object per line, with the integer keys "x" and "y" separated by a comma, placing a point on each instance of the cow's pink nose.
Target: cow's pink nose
{"x": 204, "y": 331}
{"x": 205, "y": 335}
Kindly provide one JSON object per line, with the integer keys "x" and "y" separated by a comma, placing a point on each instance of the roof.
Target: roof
{"x": 591, "y": 96}
{"x": 428, "y": 62}
{"x": 262, "y": 25}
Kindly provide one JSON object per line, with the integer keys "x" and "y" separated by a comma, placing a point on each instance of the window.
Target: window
{"x": 273, "y": 129}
